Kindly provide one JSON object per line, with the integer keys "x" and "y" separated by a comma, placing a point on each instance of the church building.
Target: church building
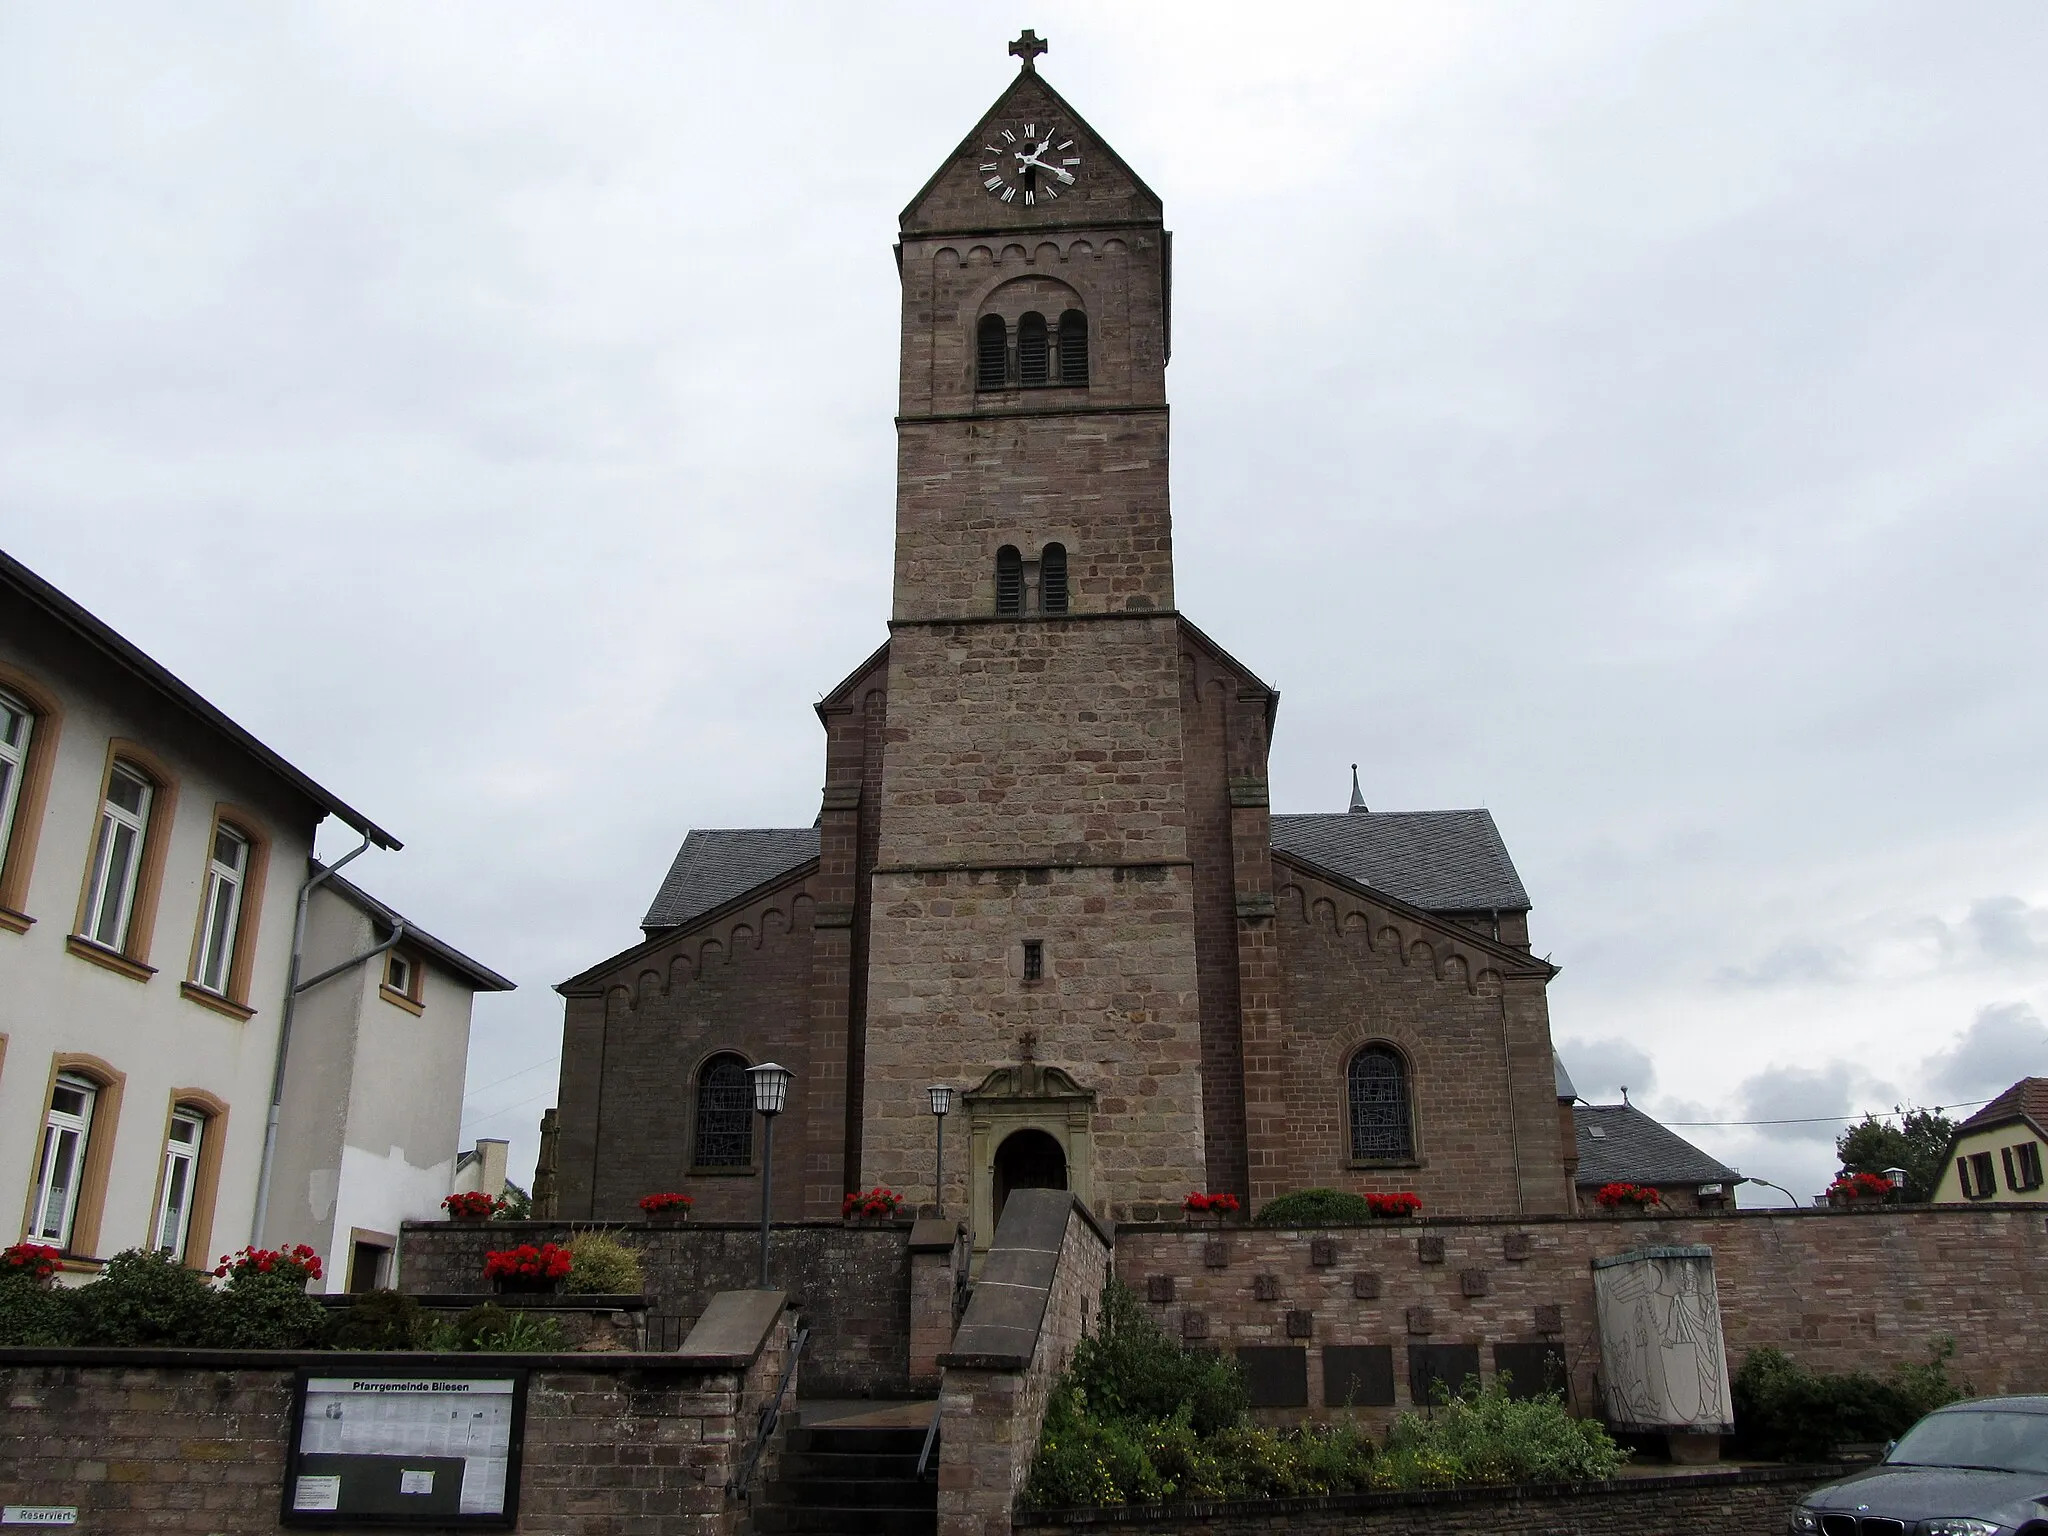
{"x": 1044, "y": 869}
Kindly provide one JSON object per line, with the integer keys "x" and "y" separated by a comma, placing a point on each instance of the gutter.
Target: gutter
{"x": 293, "y": 987}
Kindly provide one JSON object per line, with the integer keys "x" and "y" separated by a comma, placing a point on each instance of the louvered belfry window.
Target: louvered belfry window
{"x": 1381, "y": 1126}
{"x": 1034, "y": 351}
{"x": 1009, "y": 580}
{"x": 1073, "y": 347}
{"x": 1052, "y": 579}
{"x": 725, "y": 1115}
{"x": 992, "y": 353}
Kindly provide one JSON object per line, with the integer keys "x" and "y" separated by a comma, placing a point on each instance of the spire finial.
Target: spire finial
{"x": 1357, "y": 796}
{"x": 1028, "y": 47}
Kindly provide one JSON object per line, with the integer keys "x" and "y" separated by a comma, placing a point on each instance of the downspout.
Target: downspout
{"x": 293, "y": 987}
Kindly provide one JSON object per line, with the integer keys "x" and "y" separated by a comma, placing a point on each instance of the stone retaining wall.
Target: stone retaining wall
{"x": 1730, "y": 1503}
{"x": 1837, "y": 1289}
{"x": 851, "y": 1283}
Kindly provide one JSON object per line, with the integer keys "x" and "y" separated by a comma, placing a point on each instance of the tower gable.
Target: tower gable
{"x": 1107, "y": 192}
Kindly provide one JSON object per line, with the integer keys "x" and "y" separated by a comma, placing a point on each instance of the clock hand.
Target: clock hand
{"x": 1032, "y": 162}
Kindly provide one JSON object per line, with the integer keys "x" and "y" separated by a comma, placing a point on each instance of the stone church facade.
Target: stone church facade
{"x": 1044, "y": 868}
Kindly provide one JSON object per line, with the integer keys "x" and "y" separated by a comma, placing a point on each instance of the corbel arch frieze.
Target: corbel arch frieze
{"x": 1423, "y": 947}
{"x": 687, "y": 958}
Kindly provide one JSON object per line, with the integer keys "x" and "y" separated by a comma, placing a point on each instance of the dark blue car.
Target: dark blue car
{"x": 1970, "y": 1469}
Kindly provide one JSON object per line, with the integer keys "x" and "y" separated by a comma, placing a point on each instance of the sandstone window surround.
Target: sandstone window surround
{"x": 29, "y": 723}
{"x": 224, "y": 943}
{"x": 125, "y": 862}
{"x": 405, "y": 980}
{"x": 67, "y": 1186}
{"x": 1027, "y": 1096}
{"x": 188, "y": 1178}
{"x": 1381, "y": 1107}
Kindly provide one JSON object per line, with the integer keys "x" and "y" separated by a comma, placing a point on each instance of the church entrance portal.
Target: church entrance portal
{"x": 1028, "y": 1160}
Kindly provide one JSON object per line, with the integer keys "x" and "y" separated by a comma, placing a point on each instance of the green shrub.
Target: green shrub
{"x": 1315, "y": 1208}
{"x": 601, "y": 1265}
{"x": 380, "y": 1320}
{"x": 35, "y": 1314}
{"x": 1483, "y": 1435}
{"x": 146, "y": 1298}
{"x": 1130, "y": 1369}
{"x": 492, "y": 1329}
{"x": 1785, "y": 1412}
{"x": 258, "y": 1311}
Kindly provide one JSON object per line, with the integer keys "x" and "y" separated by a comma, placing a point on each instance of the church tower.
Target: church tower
{"x": 1032, "y": 929}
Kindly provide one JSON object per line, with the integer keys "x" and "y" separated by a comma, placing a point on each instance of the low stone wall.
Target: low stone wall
{"x": 851, "y": 1283}
{"x": 1724, "y": 1503}
{"x": 1837, "y": 1289}
{"x": 192, "y": 1442}
{"x": 1032, "y": 1304}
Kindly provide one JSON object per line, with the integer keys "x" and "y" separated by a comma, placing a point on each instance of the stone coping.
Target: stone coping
{"x": 735, "y": 1326}
{"x": 467, "y": 1362}
{"x": 902, "y": 1222}
{"x": 524, "y": 1301}
{"x": 1411, "y": 1223}
{"x": 1004, "y": 1317}
{"x": 1438, "y": 1498}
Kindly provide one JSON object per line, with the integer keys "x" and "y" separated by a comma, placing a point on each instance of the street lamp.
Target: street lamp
{"x": 1897, "y": 1178}
{"x": 942, "y": 1104}
{"x": 771, "y": 1092}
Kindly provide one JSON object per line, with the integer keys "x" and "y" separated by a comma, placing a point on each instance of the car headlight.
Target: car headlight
{"x": 1805, "y": 1520}
{"x": 1953, "y": 1525}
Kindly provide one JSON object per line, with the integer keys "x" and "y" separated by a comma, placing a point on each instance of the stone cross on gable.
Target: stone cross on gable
{"x": 1028, "y": 47}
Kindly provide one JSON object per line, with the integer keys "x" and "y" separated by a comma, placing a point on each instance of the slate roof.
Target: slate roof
{"x": 1637, "y": 1150}
{"x": 1440, "y": 861}
{"x": 2026, "y": 1098}
{"x": 715, "y": 864}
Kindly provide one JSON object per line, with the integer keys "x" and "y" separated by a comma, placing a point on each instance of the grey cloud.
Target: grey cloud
{"x": 2005, "y": 1042}
{"x": 1792, "y": 965}
{"x": 1600, "y": 1069}
{"x": 1799, "y": 1098}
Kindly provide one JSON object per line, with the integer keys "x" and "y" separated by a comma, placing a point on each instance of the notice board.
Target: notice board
{"x": 375, "y": 1448}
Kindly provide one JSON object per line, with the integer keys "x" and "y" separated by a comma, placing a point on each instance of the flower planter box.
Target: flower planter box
{"x": 667, "y": 1218}
{"x": 527, "y": 1285}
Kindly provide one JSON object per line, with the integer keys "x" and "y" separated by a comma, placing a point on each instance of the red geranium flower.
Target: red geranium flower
{"x": 653, "y": 1203}
{"x": 37, "y": 1260}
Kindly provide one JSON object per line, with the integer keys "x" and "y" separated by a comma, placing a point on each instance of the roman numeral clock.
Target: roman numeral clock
{"x": 1031, "y": 164}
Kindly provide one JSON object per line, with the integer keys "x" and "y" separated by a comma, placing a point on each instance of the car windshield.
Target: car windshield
{"x": 1976, "y": 1437}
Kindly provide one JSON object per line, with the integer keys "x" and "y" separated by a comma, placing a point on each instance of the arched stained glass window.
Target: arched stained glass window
{"x": 991, "y": 353}
{"x": 1382, "y": 1123}
{"x": 725, "y": 1115}
{"x": 1034, "y": 351}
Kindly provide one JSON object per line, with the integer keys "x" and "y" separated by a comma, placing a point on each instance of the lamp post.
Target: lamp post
{"x": 771, "y": 1092}
{"x": 1896, "y": 1177}
{"x": 1781, "y": 1189}
{"x": 942, "y": 1104}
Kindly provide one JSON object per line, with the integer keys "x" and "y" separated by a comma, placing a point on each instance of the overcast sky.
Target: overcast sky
{"x": 1627, "y": 418}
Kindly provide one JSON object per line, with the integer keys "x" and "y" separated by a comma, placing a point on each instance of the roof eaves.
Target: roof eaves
{"x": 581, "y": 982}
{"x": 486, "y": 979}
{"x": 1525, "y": 964}
{"x": 127, "y": 655}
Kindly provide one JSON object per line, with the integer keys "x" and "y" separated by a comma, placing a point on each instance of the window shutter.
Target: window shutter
{"x": 1033, "y": 351}
{"x": 992, "y": 353}
{"x": 1073, "y": 347}
{"x": 1052, "y": 579}
{"x": 1009, "y": 581}
{"x": 2011, "y": 1178}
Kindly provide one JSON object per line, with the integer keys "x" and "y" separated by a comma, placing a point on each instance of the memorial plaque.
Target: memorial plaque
{"x": 1473, "y": 1282}
{"x": 1194, "y": 1325}
{"x": 1216, "y": 1253}
{"x": 1532, "y": 1370}
{"x": 1322, "y": 1252}
{"x": 1275, "y": 1375}
{"x": 1517, "y": 1246}
{"x": 1358, "y": 1376}
{"x": 1549, "y": 1318}
{"x": 381, "y": 1449}
{"x": 1429, "y": 1250}
{"x": 1159, "y": 1287}
{"x": 1428, "y": 1364}
{"x": 1265, "y": 1287}
{"x": 1301, "y": 1324}
{"x": 1365, "y": 1286}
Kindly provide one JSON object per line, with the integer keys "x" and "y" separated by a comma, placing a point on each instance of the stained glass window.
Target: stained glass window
{"x": 1381, "y": 1125}
{"x": 725, "y": 1115}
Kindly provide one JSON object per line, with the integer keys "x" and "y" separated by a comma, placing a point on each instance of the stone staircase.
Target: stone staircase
{"x": 854, "y": 1475}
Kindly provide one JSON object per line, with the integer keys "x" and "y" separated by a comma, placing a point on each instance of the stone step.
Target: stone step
{"x": 777, "y": 1519}
{"x": 860, "y": 1440}
{"x": 862, "y": 1493}
{"x": 848, "y": 1466}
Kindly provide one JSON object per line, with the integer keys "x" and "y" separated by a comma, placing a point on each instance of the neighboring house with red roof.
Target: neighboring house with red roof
{"x": 1998, "y": 1153}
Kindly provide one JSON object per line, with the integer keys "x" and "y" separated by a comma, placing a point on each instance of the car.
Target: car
{"x": 1978, "y": 1468}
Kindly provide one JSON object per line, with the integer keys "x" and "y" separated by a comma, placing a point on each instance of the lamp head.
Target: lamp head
{"x": 942, "y": 1098}
{"x": 771, "y": 1087}
{"x": 1897, "y": 1177}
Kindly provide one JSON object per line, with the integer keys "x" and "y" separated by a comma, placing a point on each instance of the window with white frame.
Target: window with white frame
{"x": 117, "y": 857}
{"x": 226, "y": 872}
{"x": 16, "y": 723}
{"x": 400, "y": 974}
{"x": 181, "y": 1173}
{"x": 61, "y": 1169}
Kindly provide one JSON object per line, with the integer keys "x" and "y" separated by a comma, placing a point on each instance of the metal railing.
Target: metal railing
{"x": 741, "y": 1486}
{"x": 931, "y": 1440}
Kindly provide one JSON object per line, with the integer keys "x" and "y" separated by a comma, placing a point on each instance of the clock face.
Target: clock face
{"x": 1030, "y": 163}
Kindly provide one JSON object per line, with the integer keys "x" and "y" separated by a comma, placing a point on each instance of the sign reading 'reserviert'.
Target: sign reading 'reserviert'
{"x": 405, "y": 1450}
{"x": 39, "y": 1514}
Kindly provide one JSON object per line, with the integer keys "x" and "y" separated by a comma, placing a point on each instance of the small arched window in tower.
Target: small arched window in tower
{"x": 1073, "y": 347}
{"x": 991, "y": 353}
{"x": 725, "y": 1115}
{"x": 1382, "y": 1127}
{"x": 1052, "y": 579}
{"x": 1034, "y": 351}
{"x": 1009, "y": 580}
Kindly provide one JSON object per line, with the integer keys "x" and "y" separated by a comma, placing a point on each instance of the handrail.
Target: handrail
{"x": 931, "y": 1438}
{"x": 771, "y": 1412}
